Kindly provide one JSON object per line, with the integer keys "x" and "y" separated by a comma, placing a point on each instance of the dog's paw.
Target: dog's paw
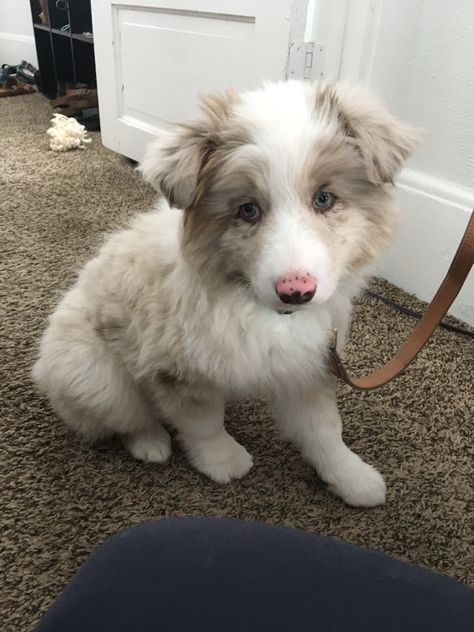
{"x": 359, "y": 484}
{"x": 152, "y": 445}
{"x": 221, "y": 459}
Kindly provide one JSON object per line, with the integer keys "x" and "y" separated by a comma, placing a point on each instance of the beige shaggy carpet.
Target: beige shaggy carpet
{"x": 60, "y": 498}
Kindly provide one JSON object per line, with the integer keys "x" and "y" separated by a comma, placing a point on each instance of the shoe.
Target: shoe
{"x": 6, "y": 71}
{"x": 26, "y": 72}
{"x": 86, "y": 97}
{"x": 80, "y": 90}
{"x": 13, "y": 88}
{"x": 74, "y": 105}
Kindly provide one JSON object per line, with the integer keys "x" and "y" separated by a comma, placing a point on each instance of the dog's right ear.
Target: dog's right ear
{"x": 174, "y": 161}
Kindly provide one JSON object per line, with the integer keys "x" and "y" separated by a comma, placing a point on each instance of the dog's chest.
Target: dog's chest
{"x": 256, "y": 354}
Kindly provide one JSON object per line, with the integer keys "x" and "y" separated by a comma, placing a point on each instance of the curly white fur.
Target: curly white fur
{"x": 66, "y": 133}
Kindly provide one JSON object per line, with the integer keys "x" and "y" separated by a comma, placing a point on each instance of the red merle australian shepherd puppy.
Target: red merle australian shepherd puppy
{"x": 275, "y": 204}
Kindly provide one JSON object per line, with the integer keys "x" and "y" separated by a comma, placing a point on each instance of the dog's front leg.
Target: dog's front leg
{"x": 312, "y": 421}
{"x": 210, "y": 448}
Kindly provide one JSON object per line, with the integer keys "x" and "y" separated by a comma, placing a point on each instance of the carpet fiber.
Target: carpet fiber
{"x": 60, "y": 498}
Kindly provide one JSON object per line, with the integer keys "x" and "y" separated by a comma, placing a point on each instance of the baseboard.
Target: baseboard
{"x": 15, "y": 47}
{"x": 436, "y": 213}
{"x": 436, "y": 189}
{"x": 16, "y": 37}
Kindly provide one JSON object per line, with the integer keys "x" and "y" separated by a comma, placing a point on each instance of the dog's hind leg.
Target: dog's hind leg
{"x": 92, "y": 391}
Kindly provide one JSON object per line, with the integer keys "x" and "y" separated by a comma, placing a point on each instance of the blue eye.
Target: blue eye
{"x": 323, "y": 200}
{"x": 250, "y": 212}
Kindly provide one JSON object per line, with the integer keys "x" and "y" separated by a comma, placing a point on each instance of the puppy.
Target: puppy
{"x": 275, "y": 204}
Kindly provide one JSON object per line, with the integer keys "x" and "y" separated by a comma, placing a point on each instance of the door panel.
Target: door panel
{"x": 208, "y": 45}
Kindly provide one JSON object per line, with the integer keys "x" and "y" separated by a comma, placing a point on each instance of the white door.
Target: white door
{"x": 154, "y": 57}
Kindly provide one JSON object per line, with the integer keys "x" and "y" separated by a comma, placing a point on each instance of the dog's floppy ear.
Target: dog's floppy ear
{"x": 383, "y": 141}
{"x": 173, "y": 162}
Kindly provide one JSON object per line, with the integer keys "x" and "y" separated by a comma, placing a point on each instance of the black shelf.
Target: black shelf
{"x": 65, "y": 57}
{"x": 82, "y": 38}
{"x": 77, "y": 36}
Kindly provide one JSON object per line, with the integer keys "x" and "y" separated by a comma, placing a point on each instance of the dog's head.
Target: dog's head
{"x": 287, "y": 189}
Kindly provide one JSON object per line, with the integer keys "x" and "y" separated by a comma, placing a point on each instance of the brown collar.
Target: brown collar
{"x": 437, "y": 309}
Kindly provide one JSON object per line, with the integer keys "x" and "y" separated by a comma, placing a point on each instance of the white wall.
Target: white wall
{"x": 16, "y": 33}
{"x": 419, "y": 56}
{"x": 440, "y": 90}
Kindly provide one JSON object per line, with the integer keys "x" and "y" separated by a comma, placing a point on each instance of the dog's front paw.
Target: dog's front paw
{"x": 152, "y": 445}
{"x": 359, "y": 484}
{"x": 221, "y": 459}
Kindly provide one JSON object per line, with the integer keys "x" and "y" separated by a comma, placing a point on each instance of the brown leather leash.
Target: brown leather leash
{"x": 437, "y": 309}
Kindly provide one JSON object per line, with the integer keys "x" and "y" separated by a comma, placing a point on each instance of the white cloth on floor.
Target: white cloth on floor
{"x": 66, "y": 133}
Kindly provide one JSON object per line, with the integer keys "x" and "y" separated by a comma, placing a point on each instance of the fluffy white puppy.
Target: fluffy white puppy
{"x": 275, "y": 204}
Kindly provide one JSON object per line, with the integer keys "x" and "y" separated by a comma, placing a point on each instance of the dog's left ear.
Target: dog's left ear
{"x": 383, "y": 141}
{"x": 173, "y": 163}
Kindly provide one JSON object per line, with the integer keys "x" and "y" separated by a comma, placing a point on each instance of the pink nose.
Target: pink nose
{"x": 296, "y": 288}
